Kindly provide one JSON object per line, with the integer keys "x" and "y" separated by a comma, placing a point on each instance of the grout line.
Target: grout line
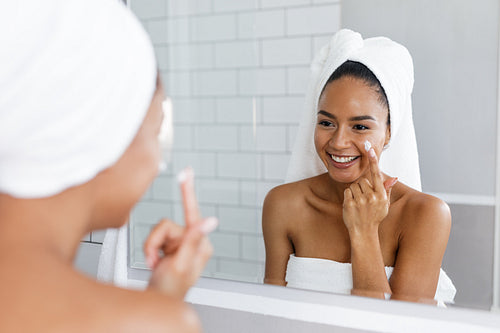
{"x": 90, "y": 242}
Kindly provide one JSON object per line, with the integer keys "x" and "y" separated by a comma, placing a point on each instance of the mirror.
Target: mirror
{"x": 237, "y": 72}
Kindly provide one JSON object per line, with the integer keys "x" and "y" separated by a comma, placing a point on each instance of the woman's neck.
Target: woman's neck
{"x": 55, "y": 224}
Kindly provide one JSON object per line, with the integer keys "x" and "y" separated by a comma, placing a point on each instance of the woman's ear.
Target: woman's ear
{"x": 387, "y": 135}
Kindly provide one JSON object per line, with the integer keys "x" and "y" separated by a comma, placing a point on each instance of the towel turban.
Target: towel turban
{"x": 76, "y": 81}
{"x": 392, "y": 64}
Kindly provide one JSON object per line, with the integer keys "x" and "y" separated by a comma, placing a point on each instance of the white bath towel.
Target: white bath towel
{"x": 393, "y": 66}
{"x": 332, "y": 276}
{"x": 76, "y": 80}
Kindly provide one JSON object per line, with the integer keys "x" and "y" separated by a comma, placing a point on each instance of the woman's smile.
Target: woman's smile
{"x": 343, "y": 161}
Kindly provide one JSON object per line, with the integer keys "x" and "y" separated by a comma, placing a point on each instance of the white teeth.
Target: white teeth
{"x": 343, "y": 159}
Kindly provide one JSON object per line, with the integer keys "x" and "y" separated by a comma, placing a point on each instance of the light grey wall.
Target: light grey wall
{"x": 454, "y": 44}
{"x": 469, "y": 257}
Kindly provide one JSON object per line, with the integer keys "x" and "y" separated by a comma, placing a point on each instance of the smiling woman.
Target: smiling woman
{"x": 354, "y": 228}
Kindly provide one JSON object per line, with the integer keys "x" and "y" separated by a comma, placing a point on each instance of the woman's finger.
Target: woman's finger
{"x": 378, "y": 182}
{"x": 389, "y": 184}
{"x": 356, "y": 191}
{"x": 366, "y": 186}
{"x": 166, "y": 234}
{"x": 188, "y": 250}
{"x": 348, "y": 197}
{"x": 208, "y": 225}
{"x": 191, "y": 210}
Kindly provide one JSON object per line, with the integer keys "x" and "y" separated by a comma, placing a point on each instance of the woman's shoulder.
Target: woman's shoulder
{"x": 287, "y": 202}
{"x": 98, "y": 308}
{"x": 147, "y": 311}
{"x": 290, "y": 194}
{"x": 423, "y": 210}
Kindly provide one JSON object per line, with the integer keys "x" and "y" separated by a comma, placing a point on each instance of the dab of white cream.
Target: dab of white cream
{"x": 368, "y": 145}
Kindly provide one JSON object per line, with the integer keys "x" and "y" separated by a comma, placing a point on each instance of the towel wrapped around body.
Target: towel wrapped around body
{"x": 336, "y": 277}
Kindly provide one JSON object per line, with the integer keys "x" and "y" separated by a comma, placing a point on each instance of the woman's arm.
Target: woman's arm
{"x": 423, "y": 239}
{"x": 365, "y": 206}
{"x": 421, "y": 248}
{"x": 275, "y": 219}
{"x": 185, "y": 250}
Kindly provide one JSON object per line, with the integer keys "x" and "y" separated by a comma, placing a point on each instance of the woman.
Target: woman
{"x": 80, "y": 114}
{"x": 344, "y": 225}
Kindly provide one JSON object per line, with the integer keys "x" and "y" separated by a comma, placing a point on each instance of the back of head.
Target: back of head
{"x": 76, "y": 81}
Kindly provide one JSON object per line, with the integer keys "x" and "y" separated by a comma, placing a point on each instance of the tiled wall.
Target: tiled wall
{"x": 237, "y": 72}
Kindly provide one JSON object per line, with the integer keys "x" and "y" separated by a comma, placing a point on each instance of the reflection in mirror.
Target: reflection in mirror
{"x": 237, "y": 73}
{"x": 344, "y": 220}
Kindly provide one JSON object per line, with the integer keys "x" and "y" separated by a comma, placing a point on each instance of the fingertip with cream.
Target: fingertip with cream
{"x": 185, "y": 175}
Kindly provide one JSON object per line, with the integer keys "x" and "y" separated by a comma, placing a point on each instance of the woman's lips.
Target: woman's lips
{"x": 343, "y": 162}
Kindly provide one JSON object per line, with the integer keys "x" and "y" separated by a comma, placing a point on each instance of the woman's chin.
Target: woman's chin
{"x": 344, "y": 177}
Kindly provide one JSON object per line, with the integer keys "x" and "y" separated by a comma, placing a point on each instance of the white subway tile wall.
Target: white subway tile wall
{"x": 237, "y": 72}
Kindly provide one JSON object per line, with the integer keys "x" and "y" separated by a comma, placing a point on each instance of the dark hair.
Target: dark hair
{"x": 357, "y": 70}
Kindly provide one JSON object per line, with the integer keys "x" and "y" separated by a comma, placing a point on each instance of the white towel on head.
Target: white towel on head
{"x": 76, "y": 80}
{"x": 393, "y": 66}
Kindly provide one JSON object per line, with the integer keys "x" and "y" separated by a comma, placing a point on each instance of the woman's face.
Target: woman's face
{"x": 349, "y": 113}
{"x": 124, "y": 183}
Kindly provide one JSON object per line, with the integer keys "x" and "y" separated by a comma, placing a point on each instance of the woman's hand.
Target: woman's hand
{"x": 366, "y": 204}
{"x": 185, "y": 249}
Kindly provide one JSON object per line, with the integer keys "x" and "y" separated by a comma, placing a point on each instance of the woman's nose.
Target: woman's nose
{"x": 340, "y": 139}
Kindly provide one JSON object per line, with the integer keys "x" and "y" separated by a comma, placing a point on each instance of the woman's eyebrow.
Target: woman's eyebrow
{"x": 328, "y": 114}
{"x": 357, "y": 118}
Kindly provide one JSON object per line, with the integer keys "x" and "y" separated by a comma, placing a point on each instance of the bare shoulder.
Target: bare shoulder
{"x": 60, "y": 299}
{"x": 285, "y": 201}
{"x": 282, "y": 194}
{"x": 424, "y": 211}
{"x": 123, "y": 310}
{"x": 148, "y": 311}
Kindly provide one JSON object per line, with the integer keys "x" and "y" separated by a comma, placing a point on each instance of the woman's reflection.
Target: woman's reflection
{"x": 343, "y": 225}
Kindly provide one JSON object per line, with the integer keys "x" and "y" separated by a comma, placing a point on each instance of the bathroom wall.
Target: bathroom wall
{"x": 237, "y": 72}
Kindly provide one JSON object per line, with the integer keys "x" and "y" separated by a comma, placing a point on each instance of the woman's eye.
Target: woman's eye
{"x": 325, "y": 123}
{"x": 360, "y": 127}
